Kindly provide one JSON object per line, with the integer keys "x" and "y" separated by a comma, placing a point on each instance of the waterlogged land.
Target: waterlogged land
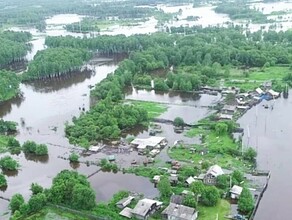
{"x": 69, "y": 96}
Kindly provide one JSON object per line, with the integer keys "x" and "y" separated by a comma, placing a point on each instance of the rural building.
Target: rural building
{"x": 145, "y": 208}
{"x": 235, "y": 192}
{"x": 190, "y": 180}
{"x": 225, "y": 117}
{"x": 173, "y": 179}
{"x": 179, "y": 212}
{"x": 143, "y": 144}
{"x": 259, "y": 91}
{"x": 126, "y": 212}
{"x": 186, "y": 192}
{"x": 156, "y": 178}
{"x": 228, "y": 109}
{"x": 124, "y": 202}
{"x": 273, "y": 93}
{"x": 210, "y": 178}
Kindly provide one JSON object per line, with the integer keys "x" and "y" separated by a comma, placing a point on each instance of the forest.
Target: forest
{"x": 200, "y": 59}
{"x": 84, "y": 26}
{"x": 9, "y": 85}
{"x": 13, "y": 46}
{"x": 54, "y": 62}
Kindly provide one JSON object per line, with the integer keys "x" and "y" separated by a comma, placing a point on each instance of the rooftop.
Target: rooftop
{"x": 151, "y": 141}
{"x": 144, "y": 205}
{"x": 229, "y": 108}
{"x": 215, "y": 170}
{"x": 179, "y": 211}
{"x": 126, "y": 212}
{"x": 236, "y": 190}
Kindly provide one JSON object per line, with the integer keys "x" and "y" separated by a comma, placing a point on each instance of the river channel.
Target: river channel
{"x": 46, "y": 106}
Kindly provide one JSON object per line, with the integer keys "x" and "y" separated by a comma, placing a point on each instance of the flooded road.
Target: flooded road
{"x": 270, "y": 134}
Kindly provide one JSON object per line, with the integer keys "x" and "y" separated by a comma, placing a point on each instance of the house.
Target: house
{"x": 179, "y": 212}
{"x": 190, "y": 180}
{"x": 228, "y": 109}
{"x": 225, "y": 117}
{"x": 124, "y": 202}
{"x": 145, "y": 208}
{"x": 126, "y": 212}
{"x": 176, "y": 199}
{"x": 143, "y": 144}
{"x": 210, "y": 177}
{"x": 235, "y": 192}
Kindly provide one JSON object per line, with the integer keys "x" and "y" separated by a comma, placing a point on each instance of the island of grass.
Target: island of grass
{"x": 153, "y": 109}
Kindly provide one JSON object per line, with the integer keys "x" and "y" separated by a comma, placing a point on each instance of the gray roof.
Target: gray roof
{"x": 177, "y": 199}
{"x": 229, "y": 108}
{"x": 179, "y": 211}
{"x": 143, "y": 206}
{"x": 215, "y": 170}
{"x": 126, "y": 212}
{"x": 125, "y": 201}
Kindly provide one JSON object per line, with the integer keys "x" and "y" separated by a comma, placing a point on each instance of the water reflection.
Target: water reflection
{"x": 10, "y": 173}
{"x": 3, "y": 188}
{"x": 32, "y": 157}
{"x": 75, "y": 165}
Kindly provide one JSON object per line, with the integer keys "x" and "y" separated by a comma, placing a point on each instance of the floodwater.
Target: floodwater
{"x": 270, "y": 135}
{"x": 191, "y": 107}
{"x": 107, "y": 183}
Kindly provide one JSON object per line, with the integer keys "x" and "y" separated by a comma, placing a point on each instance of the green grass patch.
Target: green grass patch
{"x": 210, "y": 213}
{"x": 154, "y": 109}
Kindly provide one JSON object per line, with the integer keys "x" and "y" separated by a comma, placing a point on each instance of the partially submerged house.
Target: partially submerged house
{"x": 228, "y": 109}
{"x": 235, "y": 192}
{"x": 145, "y": 208}
{"x": 153, "y": 142}
{"x": 179, "y": 212}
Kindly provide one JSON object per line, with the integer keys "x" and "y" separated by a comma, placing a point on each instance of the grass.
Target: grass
{"x": 154, "y": 109}
{"x": 210, "y": 213}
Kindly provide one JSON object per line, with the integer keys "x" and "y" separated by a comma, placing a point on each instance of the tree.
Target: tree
{"x": 29, "y": 147}
{"x": 16, "y": 201}
{"x": 3, "y": 181}
{"x": 197, "y": 187}
{"x": 83, "y": 197}
{"x": 41, "y": 150}
{"x": 221, "y": 128}
{"x": 178, "y": 122}
{"x": 210, "y": 196}
{"x": 223, "y": 181}
{"x": 164, "y": 187}
{"x": 250, "y": 154}
{"x": 190, "y": 200}
{"x": 37, "y": 202}
{"x": 8, "y": 163}
{"x": 245, "y": 201}
{"x": 237, "y": 177}
{"x": 36, "y": 188}
{"x": 74, "y": 158}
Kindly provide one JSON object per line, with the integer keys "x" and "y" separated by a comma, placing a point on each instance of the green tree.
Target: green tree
{"x": 83, "y": 197}
{"x": 245, "y": 201}
{"x": 178, "y": 122}
{"x": 16, "y": 201}
{"x": 197, "y": 187}
{"x": 237, "y": 177}
{"x": 223, "y": 181}
{"x": 36, "y": 188}
{"x": 74, "y": 158}
{"x": 221, "y": 128}
{"x": 37, "y": 202}
{"x": 41, "y": 150}
{"x": 210, "y": 196}
{"x": 190, "y": 200}
{"x": 164, "y": 187}
{"x": 8, "y": 163}
{"x": 3, "y": 181}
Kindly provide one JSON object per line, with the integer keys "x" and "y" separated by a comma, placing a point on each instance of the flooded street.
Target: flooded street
{"x": 270, "y": 134}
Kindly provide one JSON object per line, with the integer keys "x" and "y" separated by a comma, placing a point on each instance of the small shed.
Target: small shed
{"x": 111, "y": 158}
{"x": 156, "y": 178}
{"x": 259, "y": 91}
{"x": 124, "y": 202}
{"x": 126, "y": 212}
{"x": 173, "y": 179}
{"x": 190, "y": 180}
{"x": 235, "y": 192}
{"x": 176, "y": 199}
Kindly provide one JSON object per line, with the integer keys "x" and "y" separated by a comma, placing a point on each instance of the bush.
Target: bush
{"x": 3, "y": 181}
{"x": 8, "y": 163}
{"x": 74, "y": 158}
{"x": 16, "y": 201}
{"x": 34, "y": 148}
{"x": 178, "y": 122}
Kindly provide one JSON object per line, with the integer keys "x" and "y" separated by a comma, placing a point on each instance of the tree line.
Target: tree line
{"x": 105, "y": 121}
{"x": 54, "y": 62}
{"x": 9, "y": 85}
